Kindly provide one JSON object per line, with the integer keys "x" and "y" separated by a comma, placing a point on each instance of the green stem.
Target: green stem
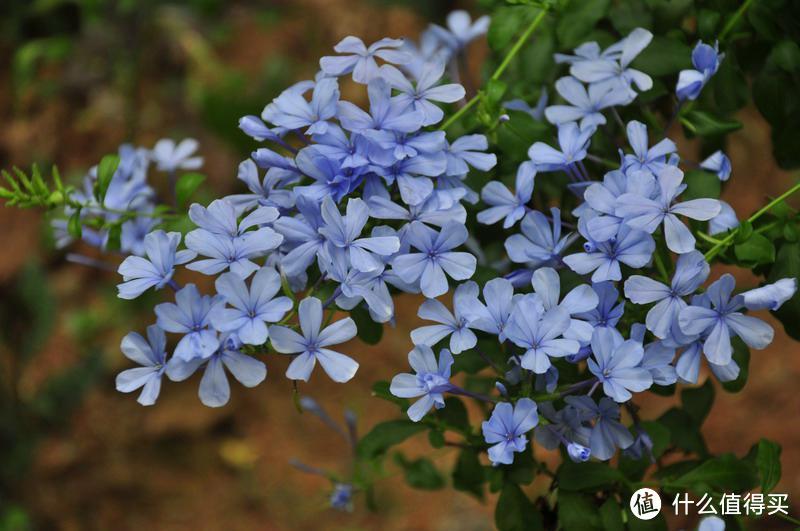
{"x": 734, "y": 19}
{"x": 714, "y": 251}
{"x": 662, "y": 269}
{"x": 519, "y": 44}
{"x": 500, "y": 69}
{"x": 454, "y": 118}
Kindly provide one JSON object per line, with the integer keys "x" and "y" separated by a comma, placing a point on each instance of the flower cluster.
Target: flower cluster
{"x": 633, "y": 219}
{"x": 345, "y": 206}
{"x": 354, "y": 202}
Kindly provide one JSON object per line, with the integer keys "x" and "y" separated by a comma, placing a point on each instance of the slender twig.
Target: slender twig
{"x": 734, "y": 19}
{"x": 500, "y": 69}
{"x": 725, "y": 242}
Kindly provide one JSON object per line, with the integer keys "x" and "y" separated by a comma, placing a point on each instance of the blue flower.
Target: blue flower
{"x": 170, "y": 157}
{"x": 292, "y": 111}
{"x": 310, "y": 347}
{"x": 719, "y": 163}
{"x": 616, "y": 364}
{"x": 419, "y": 97}
{"x": 269, "y": 192}
{"x": 390, "y": 147}
{"x": 631, "y": 247}
{"x": 190, "y": 316}
{"x": 252, "y": 308}
{"x": 537, "y": 112}
{"x": 578, "y": 453}
{"x": 724, "y": 221}
{"x": 611, "y": 69}
{"x": 770, "y": 296}
{"x": 236, "y": 253}
{"x": 466, "y": 151}
{"x": 456, "y": 326}
{"x": 435, "y": 258}
{"x": 360, "y": 60}
{"x": 706, "y": 61}
{"x": 436, "y": 210}
{"x": 214, "y": 390}
{"x": 506, "y": 428}
{"x": 134, "y": 231}
{"x": 331, "y": 179}
{"x": 539, "y": 332}
{"x": 503, "y": 203}
{"x": 580, "y": 299}
{"x": 721, "y": 318}
{"x": 573, "y": 142}
{"x": 385, "y": 113}
{"x": 691, "y": 270}
{"x": 350, "y": 151}
{"x": 585, "y": 106}
{"x": 342, "y": 234}
{"x": 140, "y": 274}
{"x": 460, "y": 31}
{"x": 341, "y": 498}
{"x": 302, "y": 235}
{"x": 566, "y": 427}
{"x": 609, "y": 308}
{"x": 608, "y": 433}
{"x": 647, "y": 214}
{"x": 492, "y": 317}
{"x": 412, "y": 176}
{"x": 653, "y": 158}
{"x": 430, "y": 382}
{"x": 539, "y": 243}
{"x": 151, "y": 355}
{"x": 255, "y": 128}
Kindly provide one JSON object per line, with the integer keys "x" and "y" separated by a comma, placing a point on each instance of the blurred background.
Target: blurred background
{"x": 79, "y": 77}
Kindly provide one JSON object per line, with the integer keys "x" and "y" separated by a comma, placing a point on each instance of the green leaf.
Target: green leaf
{"x": 757, "y": 249}
{"x": 697, "y": 401}
{"x": 114, "y": 237}
{"x": 660, "y": 436}
{"x": 786, "y": 56}
{"x": 506, "y": 23}
{"x": 454, "y": 415}
{"x": 380, "y": 389}
{"x": 656, "y": 524}
{"x": 186, "y": 186}
{"x": 515, "y": 512}
{"x": 74, "y": 228}
{"x": 468, "y": 475}
{"x": 725, "y": 473}
{"x": 420, "y": 473}
{"x": 587, "y": 476}
{"x": 578, "y": 19}
{"x": 105, "y": 172}
{"x": 768, "y": 462}
{"x": 495, "y": 90}
{"x": 436, "y": 438}
{"x": 577, "y": 512}
{"x": 663, "y": 56}
{"x": 387, "y": 434}
{"x": 700, "y": 184}
{"x": 611, "y": 516}
{"x": 369, "y": 331}
{"x": 625, "y": 17}
{"x": 683, "y": 432}
{"x": 705, "y": 124}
